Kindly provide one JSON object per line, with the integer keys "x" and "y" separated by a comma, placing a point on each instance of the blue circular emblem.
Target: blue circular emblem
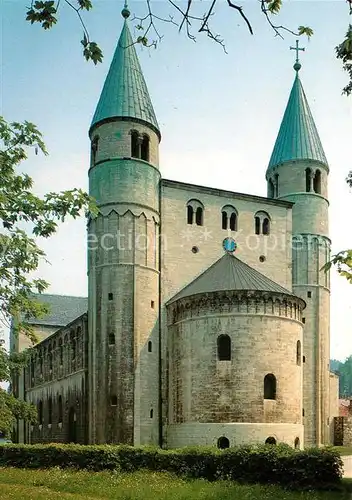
{"x": 229, "y": 245}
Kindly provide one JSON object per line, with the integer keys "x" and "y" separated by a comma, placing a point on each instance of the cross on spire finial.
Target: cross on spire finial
{"x": 297, "y": 65}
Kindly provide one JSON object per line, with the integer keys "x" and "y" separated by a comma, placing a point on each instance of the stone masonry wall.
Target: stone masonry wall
{"x": 56, "y": 383}
{"x": 123, "y": 276}
{"x": 264, "y": 336}
{"x": 207, "y": 434}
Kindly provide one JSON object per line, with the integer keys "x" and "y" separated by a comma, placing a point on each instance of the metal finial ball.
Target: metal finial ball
{"x": 125, "y": 13}
{"x": 297, "y": 66}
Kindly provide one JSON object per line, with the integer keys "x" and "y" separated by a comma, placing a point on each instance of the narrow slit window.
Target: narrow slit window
{"x": 199, "y": 216}
{"x": 135, "y": 144}
{"x": 266, "y": 226}
{"x": 257, "y": 225}
{"x": 308, "y": 179}
{"x": 298, "y": 353}
{"x": 94, "y": 149}
{"x": 40, "y": 412}
{"x": 270, "y": 386}
{"x": 317, "y": 182}
{"x": 60, "y": 410}
{"x": 233, "y": 222}
{"x": 224, "y": 220}
{"x": 224, "y": 348}
{"x": 189, "y": 214}
{"x": 50, "y": 411}
{"x": 145, "y": 148}
{"x": 150, "y": 346}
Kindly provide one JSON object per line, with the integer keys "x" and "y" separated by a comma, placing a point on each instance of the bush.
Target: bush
{"x": 308, "y": 469}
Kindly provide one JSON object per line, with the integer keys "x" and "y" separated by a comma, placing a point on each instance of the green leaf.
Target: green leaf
{"x": 274, "y": 6}
{"x": 305, "y": 30}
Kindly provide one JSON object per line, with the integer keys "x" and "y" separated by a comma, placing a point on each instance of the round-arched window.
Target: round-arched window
{"x": 223, "y": 443}
{"x": 270, "y": 440}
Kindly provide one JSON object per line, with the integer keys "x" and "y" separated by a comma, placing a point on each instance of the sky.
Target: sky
{"x": 219, "y": 113}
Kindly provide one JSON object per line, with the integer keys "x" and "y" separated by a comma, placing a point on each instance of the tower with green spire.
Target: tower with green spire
{"x": 298, "y": 172}
{"x": 123, "y": 256}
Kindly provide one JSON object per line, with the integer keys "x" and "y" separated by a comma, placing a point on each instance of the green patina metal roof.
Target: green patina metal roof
{"x": 298, "y": 138}
{"x": 125, "y": 93}
{"x": 229, "y": 273}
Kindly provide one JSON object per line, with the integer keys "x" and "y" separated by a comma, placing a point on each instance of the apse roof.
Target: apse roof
{"x": 229, "y": 273}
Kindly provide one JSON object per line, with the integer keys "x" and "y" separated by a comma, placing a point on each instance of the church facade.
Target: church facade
{"x": 207, "y": 317}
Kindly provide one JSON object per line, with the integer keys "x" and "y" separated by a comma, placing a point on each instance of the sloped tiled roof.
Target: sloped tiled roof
{"x": 125, "y": 93}
{"x": 229, "y": 273}
{"x": 298, "y": 137}
{"x": 62, "y": 309}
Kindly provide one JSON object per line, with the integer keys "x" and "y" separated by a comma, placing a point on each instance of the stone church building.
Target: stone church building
{"x": 207, "y": 317}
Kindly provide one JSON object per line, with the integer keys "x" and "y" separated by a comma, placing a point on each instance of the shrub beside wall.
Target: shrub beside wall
{"x": 312, "y": 468}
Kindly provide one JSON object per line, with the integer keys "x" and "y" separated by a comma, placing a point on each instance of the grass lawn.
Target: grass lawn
{"x": 343, "y": 450}
{"x": 56, "y": 484}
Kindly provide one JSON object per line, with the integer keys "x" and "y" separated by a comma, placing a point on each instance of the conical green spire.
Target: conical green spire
{"x": 298, "y": 138}
{"x": 125, "y": 94}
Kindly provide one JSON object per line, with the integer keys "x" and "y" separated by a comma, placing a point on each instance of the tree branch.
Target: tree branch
{"x": 240, "y": 10}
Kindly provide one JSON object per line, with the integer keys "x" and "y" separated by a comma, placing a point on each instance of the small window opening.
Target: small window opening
{"x": 73, "y": 349}
{"x": 199, "y": 216}
{"x": 269, "y": 386}
{"x": 297, "y": 443}
{"x": 61, "y": 352}
{"x": 317, "y": 182}
{"x": 304, "y": 359}
{"x": 50, "y": 411}
{"x": 32, "y": 370}
{"x": 110, "y": 296}
{"x": 262, "y": 258}
{"x": 223, "y": 443}
{"x": 224, "y": 220}
{"x": 41, "y": 364}
{"x": 308, "y": 179}
{"x": 309, "y": 295}
{"x": 150, "y": 346}
{"x": 151, "y": 413}
{"x": 152, "y": 304}
{"x": 135, "y": 144}
{"x": 60, "y": 412}
{"x": 257, "y": 225}
{"x": 224, "y": 348}
{"x": 111, "y": 339}
{"x": 270, "y": 440}
{"x": 40, "y": 412}
{"x": 233, "y": 222}
{"x": 189, "y": 214}
{"x": 303, "y": 320}
{"x": 113, "y": 400}
{"x": 302, "y": 412}
{"x": 266, "y": 226}
{"x": 145, "y": 148}
{"x": 298, "y": 353}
